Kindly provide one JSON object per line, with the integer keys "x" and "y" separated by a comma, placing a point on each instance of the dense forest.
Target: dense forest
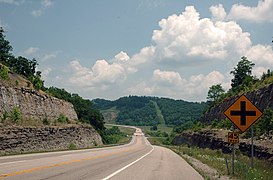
{"x": 141, "y": 111}
{"x": 176, "y": 112}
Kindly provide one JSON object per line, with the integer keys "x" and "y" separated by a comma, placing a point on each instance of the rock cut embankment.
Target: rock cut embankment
{"x": 215, "y": 139}
{"x": 16, "y": 139}
{"x": 33, "y": 104}
{"x": 262, "y": 98}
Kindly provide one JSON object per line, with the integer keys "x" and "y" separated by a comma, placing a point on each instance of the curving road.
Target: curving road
{"x": 136, "y": 160}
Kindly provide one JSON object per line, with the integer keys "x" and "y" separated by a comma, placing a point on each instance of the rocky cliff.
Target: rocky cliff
{"x": 15, "y": 139}
{"x": 262, "y": 98}
{"x": 34, "y": 104}
{"x": 215, "y": 139}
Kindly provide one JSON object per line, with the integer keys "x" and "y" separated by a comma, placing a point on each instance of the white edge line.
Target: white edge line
{"x": 12, "y": 162}
{"x": 118, "y": 171}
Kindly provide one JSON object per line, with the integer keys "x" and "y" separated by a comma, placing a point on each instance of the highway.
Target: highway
{"x": 136, "y": 160}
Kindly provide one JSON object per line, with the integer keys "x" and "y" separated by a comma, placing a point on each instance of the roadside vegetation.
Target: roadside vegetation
{"x": 217, "y": 160}
{"x": 118, "y": 135}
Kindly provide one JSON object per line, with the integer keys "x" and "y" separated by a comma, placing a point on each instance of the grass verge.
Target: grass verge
{"x": 217, "y": 160}
{"x": 121, "y": 136}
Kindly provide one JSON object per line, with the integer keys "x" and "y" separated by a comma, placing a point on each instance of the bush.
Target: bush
{"x": 153, "y": 128}
{"x": 263, "y": 126}
{"x": 5, "y": 116}
{"x": 113, "y": 135}
{"x": 224, "y": 123}
{"x": 46, "y": 121}
{"x": 62, "y": 119}
{"x": 4, "y": 72}
{"x": 38, "y": 83}
{"x": 72, "y": 146}
{"x": 16, "y": 114}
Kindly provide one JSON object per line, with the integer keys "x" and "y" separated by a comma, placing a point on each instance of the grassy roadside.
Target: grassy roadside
{"x": 122, "y": 137}
{"x": 216, "y": 160}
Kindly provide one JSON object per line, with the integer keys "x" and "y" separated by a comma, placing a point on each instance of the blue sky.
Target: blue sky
{"x": 108, "y": 49}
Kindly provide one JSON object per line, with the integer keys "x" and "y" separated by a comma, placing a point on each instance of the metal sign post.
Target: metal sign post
{"x": 252, "y": 148}
{"x": 243, "y": 114}
{"x": 233, "y": 152}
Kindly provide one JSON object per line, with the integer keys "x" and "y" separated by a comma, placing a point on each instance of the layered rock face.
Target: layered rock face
{"x": 262, "y": 98}
{"x": 15, "y": 139}
{"x": 215, "y": 139}
{"x": 33, "y": 104}
{"x": 37, "y": 106}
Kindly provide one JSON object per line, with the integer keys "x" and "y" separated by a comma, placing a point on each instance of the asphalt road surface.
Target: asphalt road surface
{"x": 136, "y": 160}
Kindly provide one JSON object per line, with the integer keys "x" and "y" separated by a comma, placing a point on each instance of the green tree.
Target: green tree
{"x": 241, "y": 73}
{"x": 266, "y": 122}
{"x": 266, "y": 75}
{"x": 23, "y": 66}
{"x": 83, "y": 107}
{"x": 215, "y": 91}
{"x": 20, "y": 65}
{"x": 5, "y": 48}
{"x": 37, "y": 81}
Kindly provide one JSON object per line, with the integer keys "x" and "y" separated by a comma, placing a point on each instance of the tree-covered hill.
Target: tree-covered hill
{"x": 176, "y": 112}
{"x": 141, "y": 111}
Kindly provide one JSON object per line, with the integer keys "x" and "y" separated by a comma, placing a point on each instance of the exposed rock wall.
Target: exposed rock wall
{"x": 212, "y": 140}
{"x": 15, "y": 139}
{"x": 33, "y": 104}
{"x": 262, "y": 98}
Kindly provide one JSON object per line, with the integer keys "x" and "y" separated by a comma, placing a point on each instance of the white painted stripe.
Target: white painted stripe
{"x": 118, "y": 171}
{"x": 12, "y": 162}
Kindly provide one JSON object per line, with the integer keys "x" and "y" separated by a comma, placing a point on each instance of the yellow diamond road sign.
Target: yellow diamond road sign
{"x": 242, "y": 113}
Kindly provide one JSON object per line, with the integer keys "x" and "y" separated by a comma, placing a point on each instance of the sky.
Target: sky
{"x": 109, "y": 49}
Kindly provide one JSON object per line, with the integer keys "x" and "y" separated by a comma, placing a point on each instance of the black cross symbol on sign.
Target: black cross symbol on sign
{"x": 243, "y": 113}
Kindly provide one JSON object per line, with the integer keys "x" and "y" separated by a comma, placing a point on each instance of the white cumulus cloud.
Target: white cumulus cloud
{"x": 31, "y": 50}
{"x": 186, "y": 37}
{"x": 44, "y": 5}
{"x": 102, "y": 74}
{"x": 49, "y": 56}
{"x": 122, "y": 56}
{"x": 261, "y": 55}
{"x": 218, "y": 12}
{"x": 258, "y": 71}
{"x": 167, "y": 78}
{"x": 261, "y": 13}
{"x": 170, "y": 83}
{"x": 14, "y": 2}
{"x": 47, "y": 3}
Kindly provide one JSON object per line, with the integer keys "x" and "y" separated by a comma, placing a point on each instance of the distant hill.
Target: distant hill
{"x": 148, "y": 111}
